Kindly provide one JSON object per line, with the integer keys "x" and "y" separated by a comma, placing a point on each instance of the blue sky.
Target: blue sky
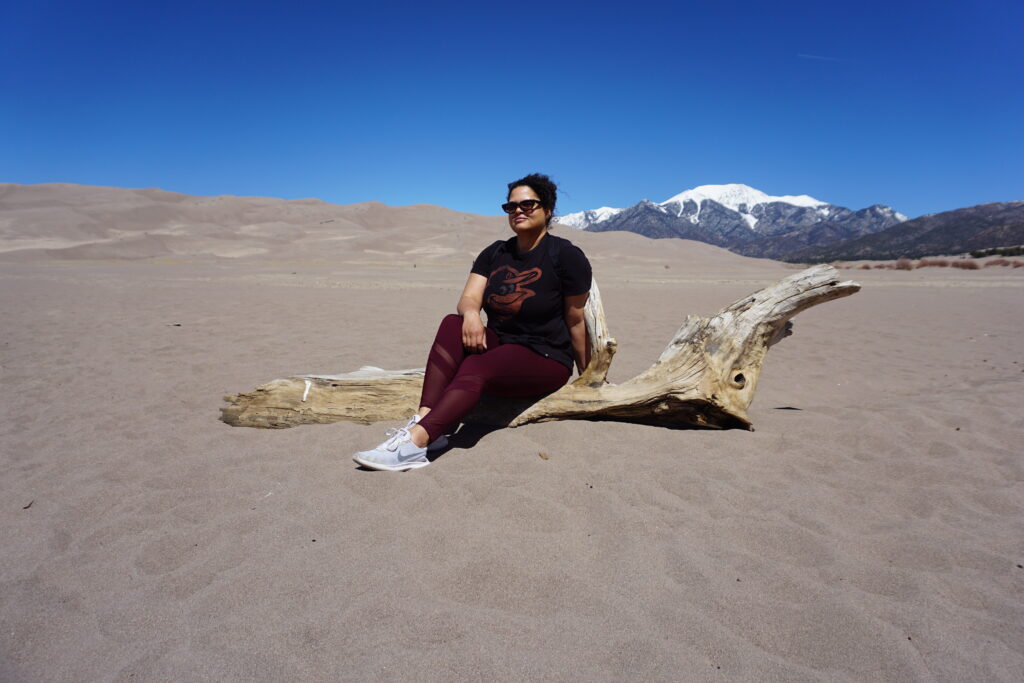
{"x": 918, "y": 105}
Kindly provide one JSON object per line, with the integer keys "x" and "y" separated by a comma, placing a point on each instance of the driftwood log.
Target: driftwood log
{"x": 705, "y": 377}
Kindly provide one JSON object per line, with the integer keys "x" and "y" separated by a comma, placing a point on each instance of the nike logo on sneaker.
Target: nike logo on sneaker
{"x": 407, "y": 458}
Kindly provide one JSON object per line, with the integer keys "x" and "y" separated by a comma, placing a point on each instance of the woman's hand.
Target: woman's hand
{"x": 473, "y": 336}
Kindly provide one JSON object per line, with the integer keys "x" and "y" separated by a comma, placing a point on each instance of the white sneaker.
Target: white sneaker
{"x": 396, "y": 454}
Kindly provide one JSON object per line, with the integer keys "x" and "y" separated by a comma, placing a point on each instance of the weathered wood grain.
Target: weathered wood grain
{"x": 705, "y": 377}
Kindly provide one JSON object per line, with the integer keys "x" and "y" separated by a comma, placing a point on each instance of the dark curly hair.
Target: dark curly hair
{"x": 543, "y": 186}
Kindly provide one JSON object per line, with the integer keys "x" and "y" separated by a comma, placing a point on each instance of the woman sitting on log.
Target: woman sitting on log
{"x": 533, "y": 287}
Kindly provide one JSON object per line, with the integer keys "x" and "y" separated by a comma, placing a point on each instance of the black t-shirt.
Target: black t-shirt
{"x": 524, "y": 293}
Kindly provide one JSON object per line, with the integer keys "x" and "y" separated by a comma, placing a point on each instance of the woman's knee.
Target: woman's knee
{"x": 450, "y": 328}
{"x": 452, "y": 320}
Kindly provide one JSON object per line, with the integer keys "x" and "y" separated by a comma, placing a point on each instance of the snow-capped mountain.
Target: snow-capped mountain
{"x": 999, "y": 224}
{"x": 740, "y": 218}
{"x": 581, "y": 219}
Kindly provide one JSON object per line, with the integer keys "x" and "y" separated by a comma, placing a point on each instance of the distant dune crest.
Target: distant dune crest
{"x": 74, "y": 222}
{"x": 65, "y": 221}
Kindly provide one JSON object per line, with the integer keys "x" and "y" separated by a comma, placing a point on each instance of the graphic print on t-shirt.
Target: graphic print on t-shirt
{"x": 508, "y": 290}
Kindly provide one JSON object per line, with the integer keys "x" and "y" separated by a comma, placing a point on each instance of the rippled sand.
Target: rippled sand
{"x": 870, "y": 528}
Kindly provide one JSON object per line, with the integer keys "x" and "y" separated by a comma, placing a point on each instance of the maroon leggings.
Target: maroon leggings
{"x": 455, "y": 379}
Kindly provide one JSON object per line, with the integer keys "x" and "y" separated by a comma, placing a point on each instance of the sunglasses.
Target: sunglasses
{"x": 527, "y": 205}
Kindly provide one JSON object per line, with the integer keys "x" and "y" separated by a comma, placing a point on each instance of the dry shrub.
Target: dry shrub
{"x": 904, "y": 264}
{"x": 1018, "y": 264}
{"x": 966, "y": 264}
{"x": 867, "y": 266}
{"x": 933, "y": 263}
{"x": 998, "y": 262}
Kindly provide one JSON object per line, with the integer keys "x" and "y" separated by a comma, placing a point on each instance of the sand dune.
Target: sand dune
{"x": 75, "y": 222}
{"x": 869, "y": 529}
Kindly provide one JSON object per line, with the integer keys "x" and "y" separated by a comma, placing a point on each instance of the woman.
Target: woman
{"x": 533, "y": 287}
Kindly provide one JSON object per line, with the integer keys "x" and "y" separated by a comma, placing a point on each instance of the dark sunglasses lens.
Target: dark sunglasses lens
{"x": 525, "y": 205}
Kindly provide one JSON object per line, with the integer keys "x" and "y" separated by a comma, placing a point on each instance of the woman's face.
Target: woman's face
{"x": 521, "y": 221}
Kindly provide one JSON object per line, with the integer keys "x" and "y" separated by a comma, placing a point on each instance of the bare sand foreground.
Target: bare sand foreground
{"x": 872, "y": 527}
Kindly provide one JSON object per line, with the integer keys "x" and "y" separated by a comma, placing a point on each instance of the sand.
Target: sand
{"x": 872, "y": 527}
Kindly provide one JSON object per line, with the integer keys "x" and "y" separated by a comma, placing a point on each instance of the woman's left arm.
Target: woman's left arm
{"x": 577, "y": 325}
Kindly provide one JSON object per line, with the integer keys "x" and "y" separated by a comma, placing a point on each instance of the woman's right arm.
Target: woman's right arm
{"x": 470, "y": 303}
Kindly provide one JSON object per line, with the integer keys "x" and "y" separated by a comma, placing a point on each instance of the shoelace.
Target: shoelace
{"x": 394, "y": 439}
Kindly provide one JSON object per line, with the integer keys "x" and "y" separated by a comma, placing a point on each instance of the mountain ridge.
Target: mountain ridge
{"x": 982, "y": 226}
{"x": 740, "y": 218}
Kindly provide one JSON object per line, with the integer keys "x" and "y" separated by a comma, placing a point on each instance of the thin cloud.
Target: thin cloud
{"x": 821, "y": 58}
